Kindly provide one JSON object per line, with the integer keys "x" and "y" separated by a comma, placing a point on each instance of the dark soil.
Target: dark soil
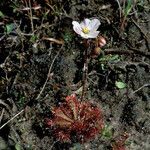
{"x": 41, "y": 62}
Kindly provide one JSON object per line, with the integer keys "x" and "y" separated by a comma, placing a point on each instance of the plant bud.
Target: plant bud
{"x": 101, "y": 41}
{"x": 95, "y": 52}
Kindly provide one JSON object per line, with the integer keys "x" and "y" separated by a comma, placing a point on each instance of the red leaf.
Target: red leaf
{"x": 74, "y": 104}
{"x": 81, "y": 118}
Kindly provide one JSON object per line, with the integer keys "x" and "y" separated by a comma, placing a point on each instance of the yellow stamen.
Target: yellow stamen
{"x": 85, "y": 30}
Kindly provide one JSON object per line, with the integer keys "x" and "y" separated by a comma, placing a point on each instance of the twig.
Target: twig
{"x": 31, "y": 16}
{"x": 145, "y": 85}
{"x": 11, "y": 119}
{"x": 48, "y": 75}
{"x": 140, "y": 28}
{"x": 2, "y": 37}
{"x": 131, "y": 51}
{"x": 145, "y": 35}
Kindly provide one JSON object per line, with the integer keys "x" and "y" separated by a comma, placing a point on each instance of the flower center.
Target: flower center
{"x": 85, "y": 30}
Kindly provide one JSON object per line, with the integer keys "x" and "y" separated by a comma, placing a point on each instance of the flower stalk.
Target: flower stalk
{"x": 87, "y": 30}
{"x": 85, "y": 70}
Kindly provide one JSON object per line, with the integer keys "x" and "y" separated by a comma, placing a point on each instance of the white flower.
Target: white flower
{"x": 87, "y": 28}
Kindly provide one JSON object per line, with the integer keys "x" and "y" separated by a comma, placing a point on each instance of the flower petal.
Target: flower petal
{"x": 85, "y": 36}
{"x": 93, "y": 34}
{"x": 76, "y": 27}
{"x": 85, "y": 23}
{"x": 95, "y": 23}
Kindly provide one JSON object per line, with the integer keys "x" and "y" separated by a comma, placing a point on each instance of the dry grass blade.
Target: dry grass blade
{"x": 31, "y": 16}
{"x": 49, "y": 74}
{"x": 120, "y": 9}
{"x": 1, "y": 116}
{"x": 11, "y": 119}
{"x": 61, "y": 42}
{"x": 145, "y": 85}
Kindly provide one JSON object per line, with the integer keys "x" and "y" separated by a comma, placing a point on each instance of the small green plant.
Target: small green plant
{"x": 120, "y": 85}
{"x": 1, "y": 14}
{"x": 9, "y": 28}
{"x": 33, "y": 38}
{"x": 109, "y": 58}
{"x": 127, "y": 7}
{"x": 77, "y": 146}
{"x": 67, "y": 36}
{"x": 105, "y": 59}
{"x": 17, "y": 146}
{"x": 107, "y": 132}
